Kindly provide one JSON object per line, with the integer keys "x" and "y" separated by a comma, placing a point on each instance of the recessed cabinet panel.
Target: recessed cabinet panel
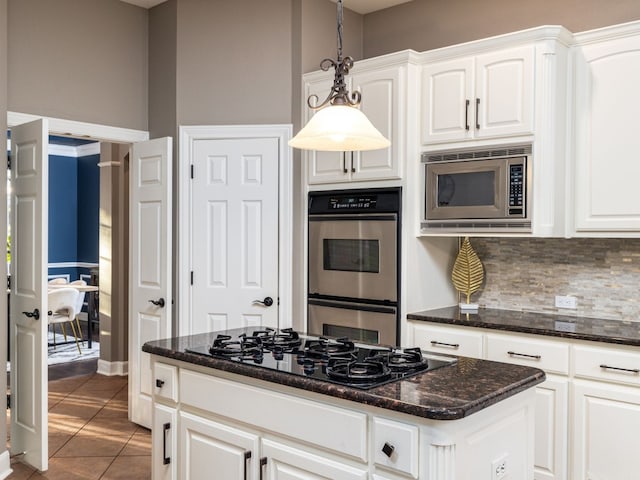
{"x": 605, "y": 432}
{"x": 447, "y": 340}
{"x": 395, "y": 446}
{"x": 607, "y": 100}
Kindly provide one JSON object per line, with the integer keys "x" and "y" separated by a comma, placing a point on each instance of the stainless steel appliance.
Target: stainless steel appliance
{"x": 478, "y": 188}
{"x": 353, "y": 264}
{"x": 340, "y": 361}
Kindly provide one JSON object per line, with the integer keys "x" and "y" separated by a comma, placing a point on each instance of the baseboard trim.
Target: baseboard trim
{"x": 5, "y": 465}
{"x": 113, "y": 368}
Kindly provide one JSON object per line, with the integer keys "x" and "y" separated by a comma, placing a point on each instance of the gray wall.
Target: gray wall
{"x": 82, "y": 60}
{"x": 162, "y": 69}
{"x": 234, "y": 62}
{"x": 427, "y": 24}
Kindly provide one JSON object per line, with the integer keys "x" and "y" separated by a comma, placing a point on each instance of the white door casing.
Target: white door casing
{"x": 150, "y": 265}
{"x": 29, "y": 254}
{"x": 236, "y": 215}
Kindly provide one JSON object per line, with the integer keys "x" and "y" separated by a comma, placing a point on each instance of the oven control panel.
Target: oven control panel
{"x": 359, "y": 202}
{"x": 354, "y": 202}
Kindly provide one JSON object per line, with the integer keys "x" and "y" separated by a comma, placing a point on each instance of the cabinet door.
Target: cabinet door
{"x": 382, "y": 102}
{"x": 503, "y": 104}
{"x": 447, "y": 92}
{"x": 550, "y": 451}
{"x": 164, "y": 440}
{"x": 605, "y": 431}
{"x": 607, "y": 102}
{"x": 284, "y": 462}
{"x": 213, "y": 450}
{"x": 324, "y": 167}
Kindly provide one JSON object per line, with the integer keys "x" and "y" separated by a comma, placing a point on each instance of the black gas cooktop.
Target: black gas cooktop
{"x": 336, "y": 360}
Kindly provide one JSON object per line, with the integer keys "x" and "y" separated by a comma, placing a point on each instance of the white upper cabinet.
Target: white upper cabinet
{"x": 606, "y": 105}
{"x": 382, "y": 83}
{"x": 478, "y": 96}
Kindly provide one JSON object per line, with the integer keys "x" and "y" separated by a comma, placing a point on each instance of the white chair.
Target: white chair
{"x": 81, "y": 296}
{"x": 62, "y": 309}
{"x": 58, "y": 281}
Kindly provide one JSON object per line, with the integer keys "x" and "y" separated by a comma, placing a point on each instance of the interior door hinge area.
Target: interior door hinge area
{"x": 192, "y": 171}
{"x": 191, "y": 277}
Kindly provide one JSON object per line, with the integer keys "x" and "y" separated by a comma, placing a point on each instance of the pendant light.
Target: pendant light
{"x": 338, "y": 125}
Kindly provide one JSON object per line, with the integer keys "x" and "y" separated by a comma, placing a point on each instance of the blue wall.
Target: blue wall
{"x": 74, "y": 209}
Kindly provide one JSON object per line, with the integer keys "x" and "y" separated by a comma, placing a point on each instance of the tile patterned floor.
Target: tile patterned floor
{"x": 90, "y": 436}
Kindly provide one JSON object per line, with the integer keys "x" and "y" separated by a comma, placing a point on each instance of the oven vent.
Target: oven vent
{"x": 471, "y": 154}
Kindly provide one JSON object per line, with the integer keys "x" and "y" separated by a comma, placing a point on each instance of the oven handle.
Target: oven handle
{"x": 386, "y": 217}
{"x": 352, "y": 306}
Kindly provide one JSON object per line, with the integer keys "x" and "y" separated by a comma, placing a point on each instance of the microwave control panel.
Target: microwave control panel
{"x": 516, "y": 189}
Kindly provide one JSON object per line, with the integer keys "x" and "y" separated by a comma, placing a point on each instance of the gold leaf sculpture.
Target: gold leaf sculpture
{"x": 468, "y": 273}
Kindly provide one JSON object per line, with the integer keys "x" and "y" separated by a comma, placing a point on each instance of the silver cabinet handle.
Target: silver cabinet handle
{"x": 620, "y": 369}
{"x": 165, "y": 428}
{"x": 353, "y": 169}
{"x": 263, "y": 462}
{"x": 247, "y": 456}
{"x": 344, "y": 162}
{"x": 516, "y": 354}
{"x": 477, "y": 113}
{"x": 435, "y": 343}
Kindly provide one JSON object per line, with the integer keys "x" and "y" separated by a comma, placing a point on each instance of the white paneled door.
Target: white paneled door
{"x": 234, "y": 234}
{"x": 150, "y": 295}
{"x": 28, "y": 315}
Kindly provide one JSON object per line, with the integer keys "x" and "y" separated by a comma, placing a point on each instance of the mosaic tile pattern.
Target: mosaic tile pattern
{"x": 527, "y": 274}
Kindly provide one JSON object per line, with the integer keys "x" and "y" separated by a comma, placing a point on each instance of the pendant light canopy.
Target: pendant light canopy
{"x": 338, "y": 124}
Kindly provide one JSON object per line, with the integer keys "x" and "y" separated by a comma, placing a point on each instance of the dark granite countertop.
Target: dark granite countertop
{"x": 565, "y": 326}
{"x": 448, "y": 393}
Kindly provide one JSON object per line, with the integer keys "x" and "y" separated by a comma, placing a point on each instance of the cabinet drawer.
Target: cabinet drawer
{"x": 395, "y": 446}
{"x": 341, "y": 430}
{"x": 165, "y": 381}
{"x": 621, "y": 366}
{"x": 448, "y": 340}
{"x": 550, "y": 357}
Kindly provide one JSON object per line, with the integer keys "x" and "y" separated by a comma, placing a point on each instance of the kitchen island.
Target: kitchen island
{"x": 471, "y": 419}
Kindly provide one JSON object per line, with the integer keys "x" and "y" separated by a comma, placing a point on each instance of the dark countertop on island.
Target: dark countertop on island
{"x": 448, "y": 393}
{"x": 565, "y": 326}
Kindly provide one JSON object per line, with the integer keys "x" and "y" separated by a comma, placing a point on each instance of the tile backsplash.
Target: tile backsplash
{"x": 527, "y": 274}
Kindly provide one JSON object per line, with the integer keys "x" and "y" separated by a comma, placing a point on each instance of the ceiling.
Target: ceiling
{"x": 360, "y": 6}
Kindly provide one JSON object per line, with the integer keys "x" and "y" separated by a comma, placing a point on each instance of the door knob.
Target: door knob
{"x": 35, "y": 314}
{"x": 158, "y": 303}
{"x": 267, "y": 302}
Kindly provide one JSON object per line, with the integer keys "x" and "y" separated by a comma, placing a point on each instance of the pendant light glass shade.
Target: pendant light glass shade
{"x": 339, "y": 128}
{"x": 338, "y": 125}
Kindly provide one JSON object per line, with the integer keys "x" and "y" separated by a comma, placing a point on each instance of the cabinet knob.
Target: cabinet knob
{"x": 159, "y": 383}
{"x": 388, "y": 449}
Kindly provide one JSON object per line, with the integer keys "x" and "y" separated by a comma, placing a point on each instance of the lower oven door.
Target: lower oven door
{"x": 358, "y": 321}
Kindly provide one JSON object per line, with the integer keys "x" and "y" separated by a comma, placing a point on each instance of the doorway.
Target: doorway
{"x": 29, "y": 410}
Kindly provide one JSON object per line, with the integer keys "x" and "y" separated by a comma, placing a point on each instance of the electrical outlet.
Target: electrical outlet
{"x": 499, "y": 468}
{"x": 566, "y": 302}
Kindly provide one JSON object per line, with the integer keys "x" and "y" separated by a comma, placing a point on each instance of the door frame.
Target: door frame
{"x": 188, "y": 135}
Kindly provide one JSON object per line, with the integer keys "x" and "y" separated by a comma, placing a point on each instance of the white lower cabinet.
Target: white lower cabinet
{"x": 209, "y": 449}
{"x": 550, "y": 453}
{"x": 164, "y": 443}
{"x": 588, "y": 409}
{"x": 284, "y": 462}
{"x": 605, "y": 431}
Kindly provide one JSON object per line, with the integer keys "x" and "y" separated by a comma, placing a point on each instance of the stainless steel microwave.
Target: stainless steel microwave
{"x": 488, "y": 188}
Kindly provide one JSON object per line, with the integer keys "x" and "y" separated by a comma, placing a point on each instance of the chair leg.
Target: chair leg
{"x": 73, "y": 329}
{"x": 64, "y": 331}
{"x": 79, "y": 330}
{"x": 53, "y": 329}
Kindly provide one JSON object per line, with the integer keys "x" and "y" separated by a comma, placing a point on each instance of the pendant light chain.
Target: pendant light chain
{"x": 339, "y": 95}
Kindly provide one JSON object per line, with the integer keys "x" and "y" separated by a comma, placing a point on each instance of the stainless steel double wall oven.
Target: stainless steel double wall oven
{"x": 354, "y": 248}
